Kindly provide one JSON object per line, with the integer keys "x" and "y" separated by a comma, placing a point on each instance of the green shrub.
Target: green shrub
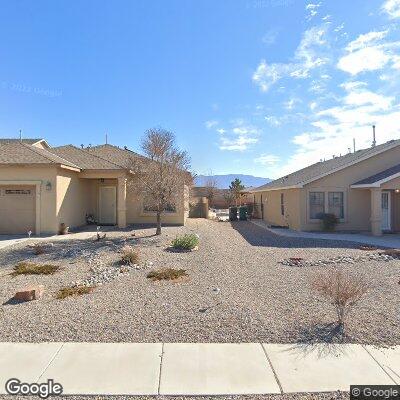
{"x": 186, "y": 242}
{"x": 329, "y": 221}
{"x": 27, "y": 268}
{"x": 129, "y": 255}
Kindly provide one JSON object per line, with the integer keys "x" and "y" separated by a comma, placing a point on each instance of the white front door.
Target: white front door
{"x": 107, "y": 205}
{"x": 386, "y": 226}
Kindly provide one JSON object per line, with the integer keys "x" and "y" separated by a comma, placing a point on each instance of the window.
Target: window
{"x": 282, "y": 204}
{"x": 335, "y": 204}
{"x": 317, "y": 204}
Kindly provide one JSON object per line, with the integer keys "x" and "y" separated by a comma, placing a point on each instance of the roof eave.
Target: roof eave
{"x": 257, "y": 190}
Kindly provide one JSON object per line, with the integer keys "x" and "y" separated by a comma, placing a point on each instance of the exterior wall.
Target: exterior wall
{"x": 73, "y": 202}
{"x": 271, "y": 201}
{"x": 357, "y": 202}
{"x": 45, "y": 198}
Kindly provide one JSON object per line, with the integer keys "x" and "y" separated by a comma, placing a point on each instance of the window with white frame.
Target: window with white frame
{"x": 336, "y": 204}
{"x": 317, "y": 204}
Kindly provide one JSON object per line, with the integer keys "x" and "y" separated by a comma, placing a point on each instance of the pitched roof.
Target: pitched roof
{"x": 17, "y": 152}
{"x": 27, "y": 141}
{"x": 122, "y": 157}
{"x": 323, "y": 168}
{"x": 84, "y": 158}
{"x": 383, "y": 175}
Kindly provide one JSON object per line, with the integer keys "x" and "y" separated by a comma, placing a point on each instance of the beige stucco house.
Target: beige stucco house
{"x": 361, "y": 188}
{"x": 42, "y": 187}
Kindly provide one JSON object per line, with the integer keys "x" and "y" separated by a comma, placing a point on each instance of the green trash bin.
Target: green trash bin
{"x": 243, "y": 213}
{"x": 233, "y": 214}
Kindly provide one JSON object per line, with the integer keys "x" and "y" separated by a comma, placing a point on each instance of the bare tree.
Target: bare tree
{"x": 342, "y": 290}
{"x": 162, "y": 176}
{"x": 211, "y": 189}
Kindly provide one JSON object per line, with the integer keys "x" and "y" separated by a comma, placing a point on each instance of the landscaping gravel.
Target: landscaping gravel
{"x": 237, "y": 290}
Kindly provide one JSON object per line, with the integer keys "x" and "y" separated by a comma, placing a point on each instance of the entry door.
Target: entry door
{"x": 386, "y": 211}
{"x": 107, "y": 205}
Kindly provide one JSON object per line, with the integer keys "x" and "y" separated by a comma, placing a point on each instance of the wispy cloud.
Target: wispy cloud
{"x": 392, "y": 8}
{"x": 211, "y": 124}
{"x": 270, "y": 37}
{"x": 307, "y": 57}
{"x": 312, "y": 9}
{"x": 369, "y": 52}
{"x": 267, "y": 159}
{"x": 239, "y": 137}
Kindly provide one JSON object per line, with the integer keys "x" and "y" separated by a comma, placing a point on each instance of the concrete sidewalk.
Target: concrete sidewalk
{"x": 387, "y": 240}
{"x": 198, "y": 368}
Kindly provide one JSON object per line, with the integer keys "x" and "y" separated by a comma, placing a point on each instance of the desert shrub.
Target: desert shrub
{"x": 166, "y": 274}
{"x": 342, "y": 290}
{"x": 186, "y": 242}
{"x": 27, "y": 268}
{"x": 73, "y": 291}
{"x": 129, "y": 255}
{"x": 329, "y": 221}
{"x": 38, "y": 249}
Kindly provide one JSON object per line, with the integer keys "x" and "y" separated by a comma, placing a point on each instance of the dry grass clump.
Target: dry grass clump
{"x": 38, "y": 249}
{"x": 28, "y": 268}
{"x": 168, "y": 274}
{"x": 73, "y": 291}
{"x": 342, "y": 290}
{"x": 129, "y": 255}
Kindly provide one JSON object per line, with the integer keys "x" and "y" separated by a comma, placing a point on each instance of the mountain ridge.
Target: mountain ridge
{"x": 223, "y": 181}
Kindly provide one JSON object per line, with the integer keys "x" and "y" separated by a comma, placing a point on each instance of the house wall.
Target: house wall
{"x": 271, "y": 201}
{"x": 73, "y": 202}
{"x": 44, "y": 174}
{"x": 357, "y": 202}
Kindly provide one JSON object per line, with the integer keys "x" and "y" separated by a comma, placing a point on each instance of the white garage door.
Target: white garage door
{"x": 17, "y": 209}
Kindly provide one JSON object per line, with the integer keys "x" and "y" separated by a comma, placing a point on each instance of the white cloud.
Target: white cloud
{"x": 312, "y": 9}
{"x": 290, "y": 104}
{"x": 369, "y": 52}
{"x": 272, "y": 120}
{"x": 221, "y": 131}
{"x": 392, "y": 8}
{"x": 240, "y": 137}
{"x": 307, "y": 57}
{"x": 267, "y": 159}
{"x": 211, "y": 124}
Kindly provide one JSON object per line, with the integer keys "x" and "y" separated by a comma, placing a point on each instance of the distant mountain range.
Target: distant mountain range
{"x": 223, "y": 181}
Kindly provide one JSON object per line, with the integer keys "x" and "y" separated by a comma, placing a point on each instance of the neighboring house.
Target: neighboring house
{"x": 220, "y": 196}
{"x": 42, "y": 187}
{"x": 360, "y": 188}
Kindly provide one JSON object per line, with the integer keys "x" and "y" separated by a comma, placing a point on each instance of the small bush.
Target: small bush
{"x": 27, "y": 268}
{"x": 38, "y": 249}
{"x": 329, "y": 221}
{"x": 74, "y": 291}
{"x": 185, "y": 242}
{"x": 168, "y": 274}
{"x": 129, "y": 255}
{"x": 342, "y": 290}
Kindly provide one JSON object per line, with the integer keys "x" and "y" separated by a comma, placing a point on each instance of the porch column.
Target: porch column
{"x": 121, "y": 202}
{"x": 376, "y": 211}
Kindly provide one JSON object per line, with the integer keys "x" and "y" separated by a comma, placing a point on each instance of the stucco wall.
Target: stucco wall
{"x": 357, "y": 202}
{"x": 73, "y": 201}
{"x": 45, "y": 174}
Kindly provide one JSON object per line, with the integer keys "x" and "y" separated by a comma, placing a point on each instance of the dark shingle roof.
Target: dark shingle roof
{"x": 22, "y": 153}
{"x": 27, "y": 141}
{"x": 323, "y": 168}
{"x": 84, "y": 158}
{"x": 379, "y": 176}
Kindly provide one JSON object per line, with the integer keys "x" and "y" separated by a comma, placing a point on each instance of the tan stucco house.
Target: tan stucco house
{"x": 361, "y": 188}
{"x": 42, "y": 187}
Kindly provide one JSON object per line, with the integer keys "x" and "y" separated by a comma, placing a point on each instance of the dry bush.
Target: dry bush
{"x": 38, "y": 249}
{"x": 168, "y": 274}
{"x": 73, "y": 291}
{"x": 27, "y": 268}
{"x": 342, "y": 290}
{"x": 129, "y": 255}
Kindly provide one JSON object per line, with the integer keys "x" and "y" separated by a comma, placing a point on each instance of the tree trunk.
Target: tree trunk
{"x": 158, "y": 230}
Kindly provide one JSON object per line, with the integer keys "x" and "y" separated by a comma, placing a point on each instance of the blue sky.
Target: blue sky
{"x": 259, "y": 87}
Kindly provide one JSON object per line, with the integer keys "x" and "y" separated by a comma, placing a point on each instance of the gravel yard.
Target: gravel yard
{"x": 237, "y": 290}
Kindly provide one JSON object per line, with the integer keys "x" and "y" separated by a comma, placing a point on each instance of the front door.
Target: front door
{"x": 386, "y": 226}
{"x": 107, "y": 205}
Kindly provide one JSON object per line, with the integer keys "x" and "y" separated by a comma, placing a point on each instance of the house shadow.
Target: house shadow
{"x": 260, "y": 237}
